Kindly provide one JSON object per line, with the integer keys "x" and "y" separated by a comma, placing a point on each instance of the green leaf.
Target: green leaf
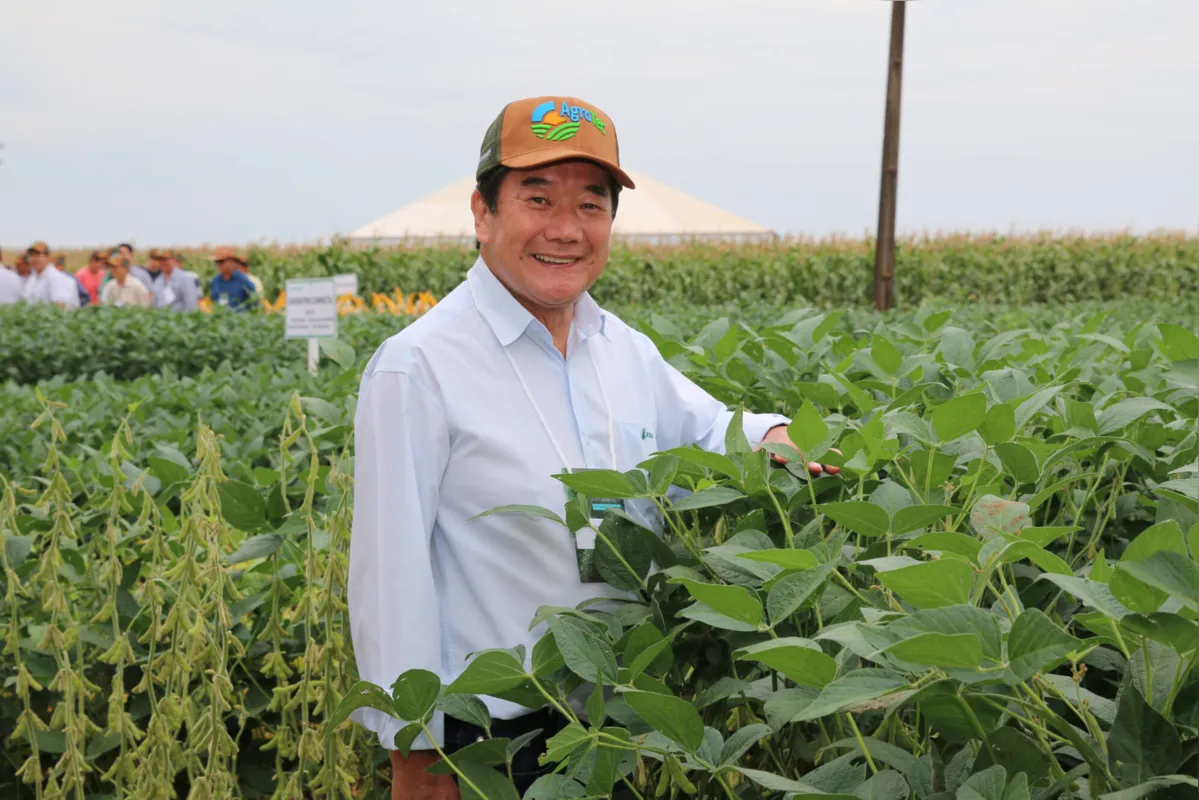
{"x": 242, "y": 506}
{"x": 1019, "y": 462}
{"x": 949, "y": 542}
{"x": 1119, "y": 416}
{"x": 885, "y": 785}
{"x": 954, "y": 620}
{"x": 885, "y": 355}
{"x": 405, "y": 736}
{"x": 702, "y": 613}
{"x": 1030, "y": 407}
{"x": 533, "y": 511}
{"x": 735, "y": 602}
{"x": 555, "y": 787}
{"x": 586, "y": 654}
{"x": 485, "y": 751}
{"x": 1178, "y": 633}
{"x": 519, "y": 743}
{"x": 858, "y": 516}
{"x": 601, "y": 483}
{"x": 737, "y": 744}
{"x": 491, "y": 784}
{"x": 714, "y": 462}
{"x": 1170, "y": 572}
{"x": 489, "y": 672}
{"x": 1149, "y": 787}
{"x": 321, "y": 409}
{"x": 674, "y": 718}
{"x": 915, "y": 517}
{"x": 807, "y": 430}
{"x": 1142, "y": 741}
{"x": 254, "y": 547}
{"x": 777, "y": 783}
{"x": 361, "y": 695}
{"x": 856, "y": 687}
{"x": 735, "y": 443}
{"x": 707, "y": 498}
{"x": 959, "y": 416}
{"x": 1035, "y": 644}
{"x": 792, "y": 591}
{"x": 959, "y": 650}
{"x": 1137, "y": 595}
{"x": 985, "y": 785}
{"x": 1095, "y": 595}
{"x": 993, "y": 515}
{"x": 168, "y": 471}
{"x": 341, "y": 352}
{"x": 546, "y": 656}
{"x": 465, "y": 707}
{"x": 415, "y": 692}
{"x": 1181, "y": 344}
{"x": 563, "y": 743}
{"x": 999, "y": 425}
{"x": 934, "y": 584}
{"x": 797, "y": 659}
{"x": 788, "y": 559}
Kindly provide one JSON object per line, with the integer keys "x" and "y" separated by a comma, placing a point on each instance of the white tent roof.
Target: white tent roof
{"x": 652, "y": 211}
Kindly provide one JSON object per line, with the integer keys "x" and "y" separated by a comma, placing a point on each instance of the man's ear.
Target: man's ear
{"x": 483, "y": 217}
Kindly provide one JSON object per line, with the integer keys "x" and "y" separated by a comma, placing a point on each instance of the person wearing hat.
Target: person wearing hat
{"x": 92, "y": 275}
{"x": 517, "y": 374}
{"x": 46, "y": 283}
{"x": 173, "y": 287}
{"x": 123, "y": 289}
{"x": 230, "y": 287}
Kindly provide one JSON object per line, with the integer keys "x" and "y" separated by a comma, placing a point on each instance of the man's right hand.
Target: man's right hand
{"x": 409, "y": 780}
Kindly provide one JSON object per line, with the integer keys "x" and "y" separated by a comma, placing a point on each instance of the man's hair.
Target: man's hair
{"x": 125, "y": 244}
{"x": 489, "y": 188}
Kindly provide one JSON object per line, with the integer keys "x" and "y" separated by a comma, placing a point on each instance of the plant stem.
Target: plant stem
{"x": 448, "y": 760}
{"x": 857, "y": 734}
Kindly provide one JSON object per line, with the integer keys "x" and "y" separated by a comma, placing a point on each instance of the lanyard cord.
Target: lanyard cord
{"x": 537, "y": 410}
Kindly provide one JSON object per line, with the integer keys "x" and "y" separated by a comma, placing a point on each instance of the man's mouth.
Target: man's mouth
{"x": 557, "y": 261}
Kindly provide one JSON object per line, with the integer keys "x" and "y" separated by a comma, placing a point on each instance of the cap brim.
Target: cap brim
{"x": 545, "y": 158}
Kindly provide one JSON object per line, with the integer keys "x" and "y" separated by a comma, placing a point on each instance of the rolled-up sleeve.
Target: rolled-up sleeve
{"x": 401, "y": 446}
{"x": 689, "y": 415}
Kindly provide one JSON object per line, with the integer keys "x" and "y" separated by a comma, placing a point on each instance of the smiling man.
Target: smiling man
{"x": 516, "y": 375}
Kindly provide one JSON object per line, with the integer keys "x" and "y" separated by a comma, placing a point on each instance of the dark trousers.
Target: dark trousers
{"x": 525, "y": 769}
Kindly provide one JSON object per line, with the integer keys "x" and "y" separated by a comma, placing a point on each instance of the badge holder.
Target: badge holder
{"x": 585, "y": 538}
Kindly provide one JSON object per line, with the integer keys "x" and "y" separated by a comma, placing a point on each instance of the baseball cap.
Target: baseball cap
{"x": 163, "y": 253}
{"x": 543, "y": 130}
{"x": 227, "y": 253}
{"x": 117, "y": 260}
{"x": 38, "y": 247}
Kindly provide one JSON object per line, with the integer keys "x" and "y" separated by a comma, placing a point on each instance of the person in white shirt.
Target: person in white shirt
{"x": 46, "y": 283}
{"x": 516, "y": 375}
{"x": 11, "y": 286}
{"x": 173, "y": 287}
{"x": 123, "y": 289}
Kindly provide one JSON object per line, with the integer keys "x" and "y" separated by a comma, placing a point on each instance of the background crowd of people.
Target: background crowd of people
{"x": 111, "y": 278}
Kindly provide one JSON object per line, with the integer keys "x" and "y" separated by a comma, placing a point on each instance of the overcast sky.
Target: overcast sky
{"x": 292, "y": 120}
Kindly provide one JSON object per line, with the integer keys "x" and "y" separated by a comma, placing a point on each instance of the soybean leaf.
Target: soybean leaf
{"x": 341, "y": 352}
{"x": 737, "y": 744}
{"x": 999, "y": 425}
{"x": 405, "y": 736}
{"x": 1018, "y": 461}
{"x": 361, "y": 695}
{"x": 735, "y": 602}
{"x": 933, "y": 584}
{"x": 491, "y": 784}
{"x": 993, "y": 515}
{"x": 533, "y": 511}
{"x": 465, "y": 707}
{"x": 259, "y": 546}
{"x": 954, "y": 620}
{"x": 856, "y": 687}
{"x": 858, "y": 516}
{"x": 798, "y": 659}
{"x": 1170, "y": 572}
{"x": 792, "y": 591}
{"x": 788, "y": 559}
{"x": 487, "y": 751}
{"x": 807, "y": 430}
{"x": 1149, "y": 787}
{"x": 519, "y": 743}
{"x": 959, "y": 416}
{"x": 563, "y": 743}
{"x": 242, "y": 506}
{"x": 489, "y": 672}
{"x": 1035, "y": 643}
{"x": 601, "y": 483}
{"x": 1142, "y": 741}
{"x": 707, "y": 498}
{"x": 555, "y": 787}
{"x": 673, "y": 717}
{"x": 916, "y": 517}
{"x": 1094, "y": 594}
{"x": 958, "y": 650}
{"x": 1122, "y": 414}
{"x": 586, "y": 655}
{"x": 415, "y": 692}
{"x": 777, "y": 783}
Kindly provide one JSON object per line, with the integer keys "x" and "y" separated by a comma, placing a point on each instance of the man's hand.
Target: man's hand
{"x": 409, "y": 780}
{"x": 778, "y": 435}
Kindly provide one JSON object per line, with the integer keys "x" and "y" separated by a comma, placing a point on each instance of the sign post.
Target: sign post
{"x": 311, "y": 314}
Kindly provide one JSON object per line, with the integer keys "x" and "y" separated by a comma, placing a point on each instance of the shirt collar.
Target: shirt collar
{"x": 508, "y": 319}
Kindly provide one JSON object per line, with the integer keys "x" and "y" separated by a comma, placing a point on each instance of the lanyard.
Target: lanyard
{"x": 529, "y": 395}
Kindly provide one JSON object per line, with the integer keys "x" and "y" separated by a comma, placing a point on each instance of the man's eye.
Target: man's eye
{"x": 593, "y": 206}
{"x": 540, "y": 200}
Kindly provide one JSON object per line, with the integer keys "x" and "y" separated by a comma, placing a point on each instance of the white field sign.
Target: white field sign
{"x": 311, "y": 313}
{"x": 345, "y": 284}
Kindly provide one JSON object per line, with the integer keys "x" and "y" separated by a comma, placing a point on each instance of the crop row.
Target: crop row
{"x": 995, "y": 600}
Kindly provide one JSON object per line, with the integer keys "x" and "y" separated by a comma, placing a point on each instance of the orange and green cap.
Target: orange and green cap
{"x": 163, "y": 253}
{"x": 544, "y": 130}
{"x": 38, "y": 247}
{"x": 117, "y": 260}
{"x": 227, "y": 254}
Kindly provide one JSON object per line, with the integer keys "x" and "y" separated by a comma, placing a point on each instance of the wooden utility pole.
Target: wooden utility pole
{"x": 884, "y": 248}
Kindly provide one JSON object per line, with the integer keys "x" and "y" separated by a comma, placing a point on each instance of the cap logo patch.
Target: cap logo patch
{"x": 556, "y": 122}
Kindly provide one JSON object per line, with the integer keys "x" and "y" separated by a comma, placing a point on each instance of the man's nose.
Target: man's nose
{"x": 564, "y": 224}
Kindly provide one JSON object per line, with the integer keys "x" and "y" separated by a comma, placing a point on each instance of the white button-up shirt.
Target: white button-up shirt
{"x": 12, "y": 286}
{"x": 51, "y": 286}
{"x": 444, "y": 431}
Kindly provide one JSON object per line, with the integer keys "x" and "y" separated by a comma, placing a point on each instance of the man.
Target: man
{"x": 244, "y": 268}
{"x": 173, "y": 287}
{"x": 123, "y": 289}
{"x": 230, "y": 287}
{"x": 92, "y": 275}
{"x": 11, "y": 286}
{"x": 46, "y": 283}
{"x": 517, "y": 374}
{"x": 141, "y": 273}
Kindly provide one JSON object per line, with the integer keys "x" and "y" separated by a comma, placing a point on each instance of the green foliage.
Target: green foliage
{"x": 934, "y": 622}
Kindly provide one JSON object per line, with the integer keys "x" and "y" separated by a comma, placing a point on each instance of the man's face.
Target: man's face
{"x": 96, "y": 265}
{"x": 38, "y": 261}
{"x": 548, "y": 240}
{"x": 126, "y": 251}
{"x": 157, "y": 265}
{"x": 226, "y": 267}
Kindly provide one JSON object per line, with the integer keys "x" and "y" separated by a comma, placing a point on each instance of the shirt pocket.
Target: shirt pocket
{"x": 637, "y": 441}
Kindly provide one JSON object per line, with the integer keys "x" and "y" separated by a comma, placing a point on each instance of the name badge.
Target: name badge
{"x": 585, "y": 538}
